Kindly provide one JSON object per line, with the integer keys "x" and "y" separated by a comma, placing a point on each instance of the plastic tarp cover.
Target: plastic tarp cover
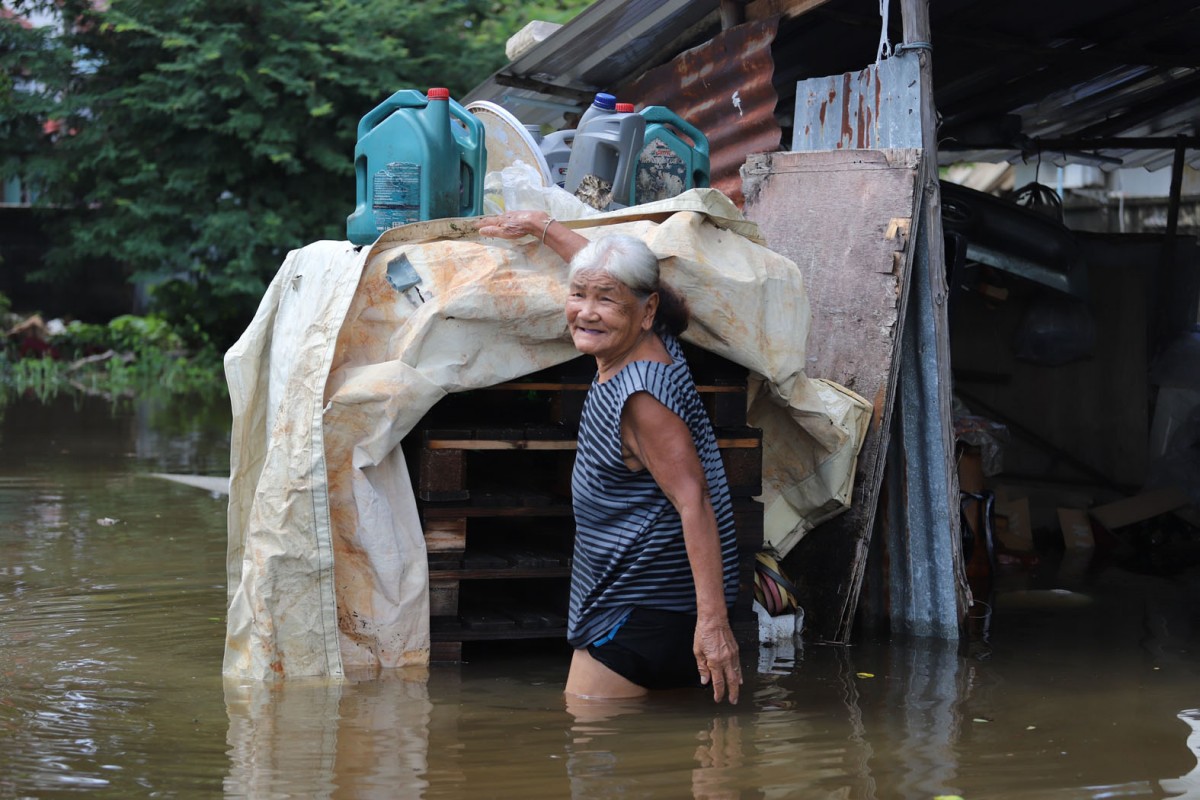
{"x": 350, "y": 348}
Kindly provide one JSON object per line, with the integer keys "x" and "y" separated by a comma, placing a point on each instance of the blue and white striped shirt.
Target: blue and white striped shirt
{"x": 629, "y": 546}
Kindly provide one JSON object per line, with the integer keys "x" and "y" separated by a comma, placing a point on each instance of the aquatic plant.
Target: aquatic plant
{"x": 129, "y": 357}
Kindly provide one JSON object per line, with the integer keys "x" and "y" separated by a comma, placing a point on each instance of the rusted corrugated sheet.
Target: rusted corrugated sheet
{"x": 724, "y": 88}
{"x": 869, "y": 109}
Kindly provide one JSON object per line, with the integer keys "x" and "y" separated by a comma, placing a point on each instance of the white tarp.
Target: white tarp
{"x": 326, "y": 563}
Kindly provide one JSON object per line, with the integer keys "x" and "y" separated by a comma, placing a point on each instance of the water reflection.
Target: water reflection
{"x": 111, "y": 638}
{"x": 320, "y": 738}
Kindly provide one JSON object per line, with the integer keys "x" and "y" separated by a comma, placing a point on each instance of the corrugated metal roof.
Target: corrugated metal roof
{"x": 1051, "y": 78}
{"x": 607, "y": 44}
{"x": 1010, "y": 79}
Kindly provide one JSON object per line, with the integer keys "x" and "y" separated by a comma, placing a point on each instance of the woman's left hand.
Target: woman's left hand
{"x": 716, "y": 652}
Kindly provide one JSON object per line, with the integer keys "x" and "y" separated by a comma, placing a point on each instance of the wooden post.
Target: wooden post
{"x": 733, "y": 13}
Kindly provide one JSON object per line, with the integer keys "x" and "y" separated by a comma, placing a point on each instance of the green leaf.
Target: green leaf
{"x": 201, "y": 141}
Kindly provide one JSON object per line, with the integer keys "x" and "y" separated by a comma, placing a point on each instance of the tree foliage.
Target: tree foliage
{"x": 200, "y": 140}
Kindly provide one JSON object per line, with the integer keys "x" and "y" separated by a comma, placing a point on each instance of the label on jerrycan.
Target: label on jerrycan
{"x": 397, "y": 194}
{"x": 661, "y": 172}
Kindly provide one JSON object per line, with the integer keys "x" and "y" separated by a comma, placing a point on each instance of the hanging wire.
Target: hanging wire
{"x": 1036, "y": 196}
{"x": 885, "y": 46}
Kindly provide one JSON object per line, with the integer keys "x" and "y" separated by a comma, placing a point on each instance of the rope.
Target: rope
{"x": 885, "y": 46}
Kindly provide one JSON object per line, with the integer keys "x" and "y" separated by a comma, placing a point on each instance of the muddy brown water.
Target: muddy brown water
{"x": 112, "y": 621}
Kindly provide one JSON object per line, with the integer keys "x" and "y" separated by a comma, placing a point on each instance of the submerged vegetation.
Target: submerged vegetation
{"x": 131, "y": 356}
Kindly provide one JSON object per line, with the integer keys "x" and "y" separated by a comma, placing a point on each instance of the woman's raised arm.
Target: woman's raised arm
{"x": 549, "y": 231}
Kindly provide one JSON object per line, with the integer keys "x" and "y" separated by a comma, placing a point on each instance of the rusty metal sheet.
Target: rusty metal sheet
{"x": 874, "y": 108}
{"x": 723, "y": 87}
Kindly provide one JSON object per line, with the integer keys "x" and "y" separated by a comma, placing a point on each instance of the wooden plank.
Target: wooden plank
{"x": 445, "y": 535}
{"x": 488, "y": 622}
{"x": 743, "y": 471}
{"x": 1148, "y": 504}
{"x": 843, "y": 216}
{"x": 443, "y": 596}
{"x": 442, "y": 475}
{"x": 726, "y": 410}
{"x": 535, "y": 619}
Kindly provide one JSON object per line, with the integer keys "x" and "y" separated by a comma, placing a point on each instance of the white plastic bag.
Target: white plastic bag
{"x": 519, "y": 187}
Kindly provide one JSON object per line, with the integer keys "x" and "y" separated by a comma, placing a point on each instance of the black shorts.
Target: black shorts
{"x": 652, "y": 648}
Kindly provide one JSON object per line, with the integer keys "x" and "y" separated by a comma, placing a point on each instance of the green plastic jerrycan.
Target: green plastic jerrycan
{"x": 674, "y": 157}
{"x": 418, "y": 157}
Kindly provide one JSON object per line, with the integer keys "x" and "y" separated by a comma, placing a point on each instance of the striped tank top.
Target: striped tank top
{"x": 629, "y": 547}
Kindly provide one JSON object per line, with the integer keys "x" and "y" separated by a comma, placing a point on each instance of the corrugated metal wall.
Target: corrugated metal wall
{"x": 724, "y": 88}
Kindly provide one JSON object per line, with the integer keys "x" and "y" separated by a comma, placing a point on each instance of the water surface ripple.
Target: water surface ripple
{"x": 112, "y": 604}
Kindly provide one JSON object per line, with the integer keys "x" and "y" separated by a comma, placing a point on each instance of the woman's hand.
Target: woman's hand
{"x": 716, "y": 652}
{"x": 513, "y": 224}
{"x": 538, "y": 224}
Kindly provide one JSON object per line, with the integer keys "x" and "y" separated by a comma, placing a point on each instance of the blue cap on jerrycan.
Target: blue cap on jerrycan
{"x": 412, "y": 164}
{"x": 603, "y": 104}
{"x": 669, "y": 164}
{"x": 556, "y": 146}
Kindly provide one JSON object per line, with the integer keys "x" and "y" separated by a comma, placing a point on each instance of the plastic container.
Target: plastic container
{"x": 603, "y": 105}
{"x": 607, "y": 147}
{"x": 673, "y": 158}
{"x": 556, "y": 148}
{"x": 412, "y": 164}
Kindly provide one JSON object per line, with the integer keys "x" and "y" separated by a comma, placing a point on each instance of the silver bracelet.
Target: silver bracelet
{"x": 546, "y": 228}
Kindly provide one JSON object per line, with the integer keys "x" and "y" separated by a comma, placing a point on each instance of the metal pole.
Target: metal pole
{"x": 937, "y": 423}
{"x": 1176, "y": 188}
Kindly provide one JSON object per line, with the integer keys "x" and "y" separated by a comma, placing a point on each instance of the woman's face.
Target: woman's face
{"x": 604, "y": 316}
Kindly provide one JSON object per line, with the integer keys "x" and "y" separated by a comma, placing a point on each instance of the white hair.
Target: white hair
{"x": 622, "y": 257}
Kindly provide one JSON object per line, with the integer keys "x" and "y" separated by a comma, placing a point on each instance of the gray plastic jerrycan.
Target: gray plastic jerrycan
{"x": 556, "y": 148}
{"x": 607, "y": 147}
{"x": 413, "y": 163}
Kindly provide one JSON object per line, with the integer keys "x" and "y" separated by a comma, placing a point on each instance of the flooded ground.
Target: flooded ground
{"x": 112, "y": 620}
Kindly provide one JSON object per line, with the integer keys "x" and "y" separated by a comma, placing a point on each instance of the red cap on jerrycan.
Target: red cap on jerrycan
{"x": 624, "y": 108}
{"x": 438, "y": 94}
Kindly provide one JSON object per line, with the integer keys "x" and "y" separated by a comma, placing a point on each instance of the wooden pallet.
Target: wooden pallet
{"x": 493, "y": 488}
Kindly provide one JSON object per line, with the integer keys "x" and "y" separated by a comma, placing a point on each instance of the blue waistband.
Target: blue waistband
{"x": 608, "y": 637}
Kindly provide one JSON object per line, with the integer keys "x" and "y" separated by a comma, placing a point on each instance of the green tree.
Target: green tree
{"x": 197, "y": 141}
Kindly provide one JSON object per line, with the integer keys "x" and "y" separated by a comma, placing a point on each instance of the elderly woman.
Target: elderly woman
{"x": 655, "y": 564}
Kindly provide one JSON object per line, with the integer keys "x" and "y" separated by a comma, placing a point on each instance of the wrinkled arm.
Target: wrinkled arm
{"x": 515, "y": 224}
{"x": 662, "y": 443}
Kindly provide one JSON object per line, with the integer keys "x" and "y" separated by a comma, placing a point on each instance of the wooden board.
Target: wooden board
{"x": 844, "y": 217}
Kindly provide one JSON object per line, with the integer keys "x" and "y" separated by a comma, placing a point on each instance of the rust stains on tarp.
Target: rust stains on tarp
{"x": 723, "y": 87}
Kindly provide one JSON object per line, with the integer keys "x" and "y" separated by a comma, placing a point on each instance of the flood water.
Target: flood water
{"x": 112, "y": 622}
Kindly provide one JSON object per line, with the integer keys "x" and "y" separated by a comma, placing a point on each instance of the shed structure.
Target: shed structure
{"x": 844, "y": 110}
